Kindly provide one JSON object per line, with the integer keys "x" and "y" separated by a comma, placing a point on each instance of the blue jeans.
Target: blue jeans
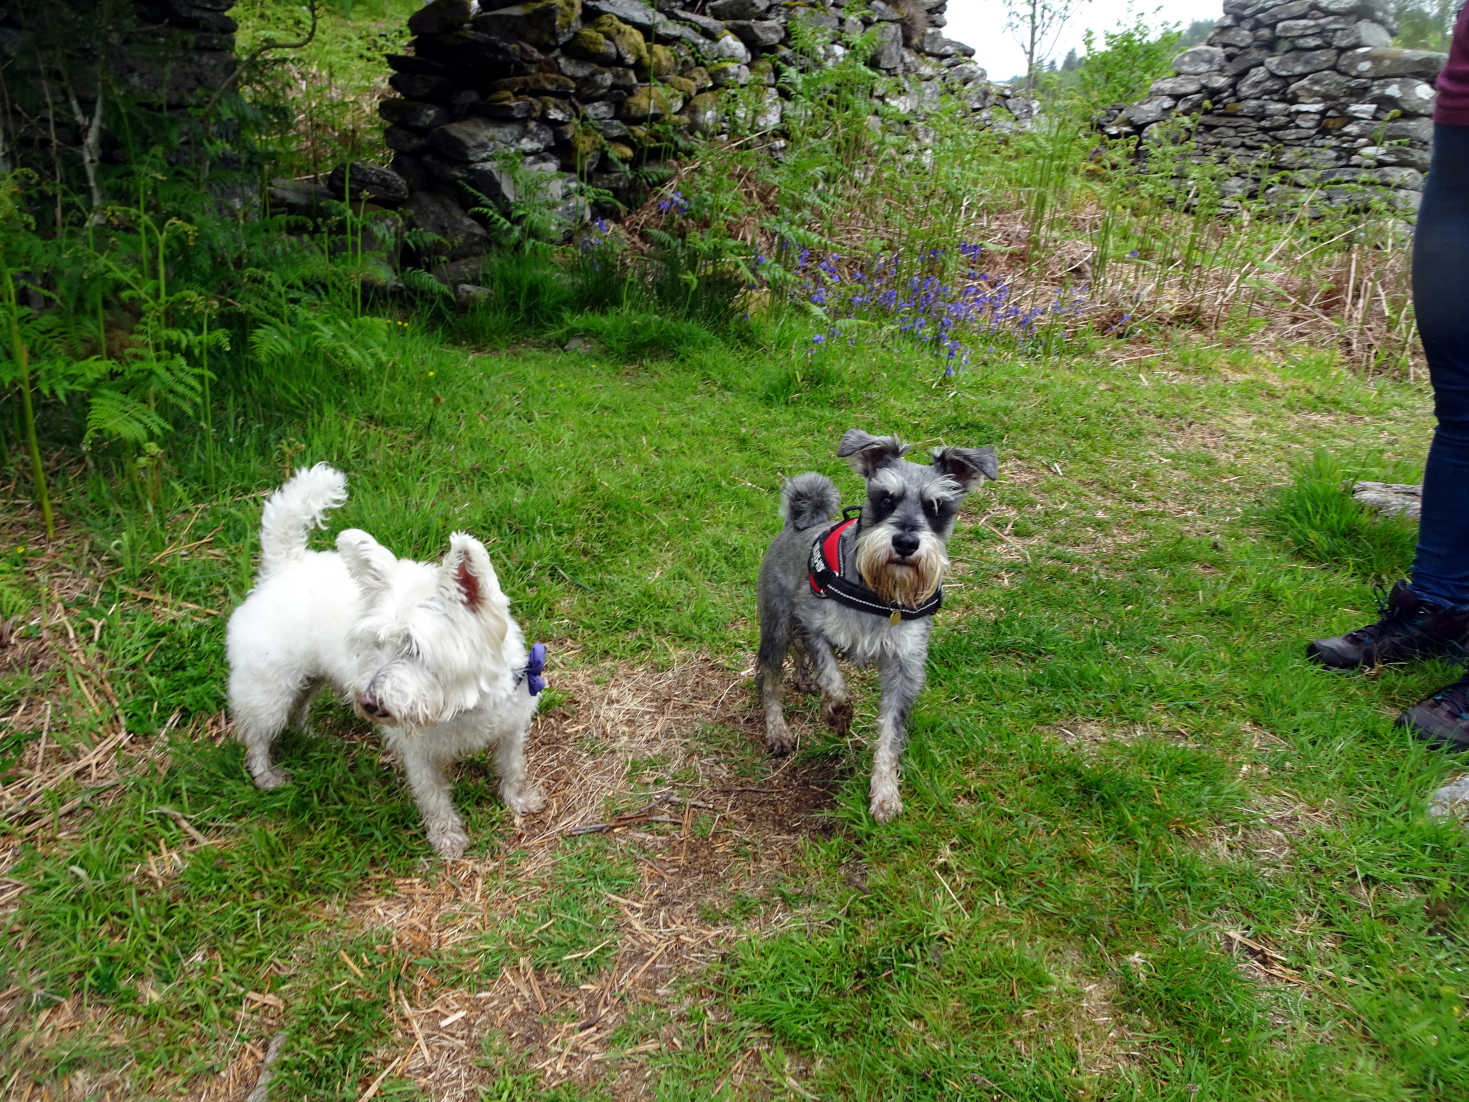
{"x": 1441, "y": 301}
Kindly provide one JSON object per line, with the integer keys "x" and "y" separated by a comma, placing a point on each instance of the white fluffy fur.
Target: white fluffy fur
{"x": 426, "y": 651}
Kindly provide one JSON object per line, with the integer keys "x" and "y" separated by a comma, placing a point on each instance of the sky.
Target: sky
{"x": 981, "y": 24}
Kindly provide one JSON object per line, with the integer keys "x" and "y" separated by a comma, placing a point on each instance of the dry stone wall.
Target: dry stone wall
{"x": 165, "y": 56}
{"x": 599, "y": 92}
{"x": 1303, "y": 97}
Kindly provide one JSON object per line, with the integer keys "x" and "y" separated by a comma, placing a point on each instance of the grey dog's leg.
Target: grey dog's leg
{"x": 836, "y": 704}
{"x": 775, "y": 640}
{"x": 901, "y": 678}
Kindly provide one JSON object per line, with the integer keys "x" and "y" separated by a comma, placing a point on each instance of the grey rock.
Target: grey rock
{"x": 729, "y": 48}
{"x": 1364, "y": 32}
{"x": 739, "y": 9}
{"x": 631, "y": 12}
{"x": 936, "y": 45}
{"x": 438, "y": 213}
{"x": 733, "y": 75}
{"x": 412, "y": 113}
{"x": 402, "y": 140}
{"x": 1451, "y": 801}
{"x": 1149, "y": 111}
{"x": 1298, "y": 63}
{"x": 757, "y": 33}
{"x": 1375, "y": 63}
{"x": 1176, "y": 86}
{"x": 1410, "y": 96}
{"x": 440, "y": 16}
{"x": 712, "y": 28}
{"x": 1260, "y": 82}
{"x": 372, "y": 182}
{"x": 476, "y": 139}
{"x": 1200, "y": 59}
{"x": 1327, "y": 86}
{"x": 889, "y": 52}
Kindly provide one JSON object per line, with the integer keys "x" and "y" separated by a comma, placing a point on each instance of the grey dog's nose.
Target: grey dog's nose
{"x": 905, "y": 543}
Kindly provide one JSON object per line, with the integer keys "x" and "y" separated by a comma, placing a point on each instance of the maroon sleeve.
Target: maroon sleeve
{"x": 1452, "y": 105}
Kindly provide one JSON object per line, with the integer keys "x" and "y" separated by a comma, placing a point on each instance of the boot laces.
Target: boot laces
{"x": 1455, "y": 697}
{"x": 1389, "y": 619}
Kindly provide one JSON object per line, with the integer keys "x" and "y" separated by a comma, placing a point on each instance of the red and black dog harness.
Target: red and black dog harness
{"x": 832, "y": 578}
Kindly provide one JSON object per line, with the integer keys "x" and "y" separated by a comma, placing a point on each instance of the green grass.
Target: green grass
{"x": 1147, "y": 852}
{"x": 1122, "y": 773}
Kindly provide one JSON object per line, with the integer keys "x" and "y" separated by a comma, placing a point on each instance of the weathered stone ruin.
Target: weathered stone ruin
{"x": 1297, "y": 98}
{"x": 58, "y": 60}
{"x": 594, "y": 97}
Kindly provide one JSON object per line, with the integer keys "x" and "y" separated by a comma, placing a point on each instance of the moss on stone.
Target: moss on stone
{"x": 632, "y": 47}
{"x": 661, "y": 63}
{"x": 651, "y": 101}
{"x": 553, "y": 83}
{"x": 592, "y": 45}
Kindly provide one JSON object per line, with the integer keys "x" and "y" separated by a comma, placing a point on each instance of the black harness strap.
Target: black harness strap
{"x": 829, "y": 579}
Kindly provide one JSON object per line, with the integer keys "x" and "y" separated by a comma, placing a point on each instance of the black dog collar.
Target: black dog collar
{"x": 831, "y": 577}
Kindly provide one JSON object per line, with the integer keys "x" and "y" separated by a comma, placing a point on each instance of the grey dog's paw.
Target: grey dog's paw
{"x": 838, "y": 715}
{"x": 779, "y": 740}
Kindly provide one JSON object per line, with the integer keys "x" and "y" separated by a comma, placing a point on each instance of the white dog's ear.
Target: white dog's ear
{"x": 466, "y": 577}
{"x": 867, "y": 453}
{"x": 369, "y": 562}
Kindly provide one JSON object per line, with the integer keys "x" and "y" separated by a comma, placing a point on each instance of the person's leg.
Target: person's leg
{"x": 1440, "y": 298}
{"x": 1430, "y": 616}
{"x": 1441, "y": 302}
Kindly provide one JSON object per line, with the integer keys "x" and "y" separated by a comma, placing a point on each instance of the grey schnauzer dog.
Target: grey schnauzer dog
{"x": 864, "y": 588}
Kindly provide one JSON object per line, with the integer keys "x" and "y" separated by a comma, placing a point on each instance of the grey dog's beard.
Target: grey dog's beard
{"x": 908, "y": 584}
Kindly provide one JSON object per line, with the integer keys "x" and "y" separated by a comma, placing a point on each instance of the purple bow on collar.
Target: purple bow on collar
{"x": 535, "y": 668}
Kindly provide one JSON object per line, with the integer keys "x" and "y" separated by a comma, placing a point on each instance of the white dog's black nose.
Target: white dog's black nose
{"x": 370, "y": 705}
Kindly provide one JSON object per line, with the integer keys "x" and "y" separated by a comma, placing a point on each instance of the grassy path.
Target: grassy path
{"x": 1146, "y": 851}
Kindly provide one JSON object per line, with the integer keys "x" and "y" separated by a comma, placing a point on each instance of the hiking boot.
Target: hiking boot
{"x": 1442, "y": 719}
{"x": 1408, "y": 628}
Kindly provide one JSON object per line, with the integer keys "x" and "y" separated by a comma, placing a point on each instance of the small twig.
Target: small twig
{"x": 184, "y": 824}
{"x": 260, "y": 1091}
{"x": 162, "y": 599}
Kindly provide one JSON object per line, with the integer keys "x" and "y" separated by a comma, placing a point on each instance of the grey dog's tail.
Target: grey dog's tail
{"x": 294, "y": 510}
{"x": 808, "y": 500}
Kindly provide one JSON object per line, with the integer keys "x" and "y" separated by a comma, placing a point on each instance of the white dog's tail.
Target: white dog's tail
{"x": 808, "y": 500}
{"x": 294, "y": 510}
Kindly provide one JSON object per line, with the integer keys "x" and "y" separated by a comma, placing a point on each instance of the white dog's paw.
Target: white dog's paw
{"x": 270, "y": 778}
{"x": 885, "y": 804}
{"x": 448, "y": 840}
{"x": 526, "y": 800}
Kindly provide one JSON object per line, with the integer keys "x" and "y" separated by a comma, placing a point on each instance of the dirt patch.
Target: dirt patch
{"x": 666, "y": 767}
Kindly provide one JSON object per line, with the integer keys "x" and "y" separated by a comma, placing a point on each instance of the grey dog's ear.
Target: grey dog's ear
{"x": 867, "y": 453}
{"x": 967, "y": 466}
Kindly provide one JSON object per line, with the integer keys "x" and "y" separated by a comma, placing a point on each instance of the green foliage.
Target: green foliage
{"x": 1323, "y": 523}
{"x": 1424, "y": 24}
{"x": 1119, "y": 69}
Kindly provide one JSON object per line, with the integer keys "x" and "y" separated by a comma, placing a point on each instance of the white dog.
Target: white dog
{"x": 427, "y": 652}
